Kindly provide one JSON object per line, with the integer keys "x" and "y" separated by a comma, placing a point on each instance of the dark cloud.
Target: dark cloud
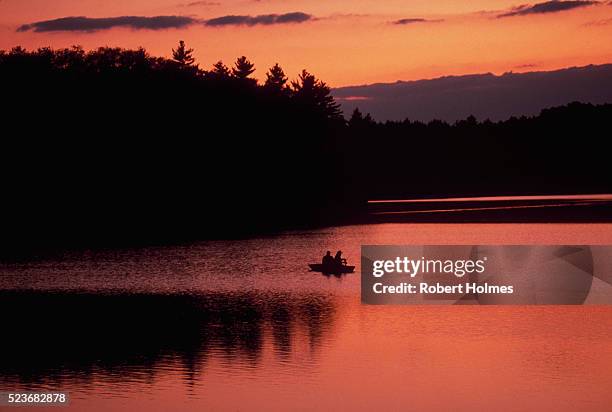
{"x": 552, "y": 6}
{"x": 295, "y": 17}
{"x": 415, "y": 20}
{"x": 264, "y": 19}
{"x": 89, "y": 24}
{"x": 200, "y": 3}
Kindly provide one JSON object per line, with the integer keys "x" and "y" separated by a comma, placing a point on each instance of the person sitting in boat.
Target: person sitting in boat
{"x": 328, "y": 260}
{"x": 338, "y": 259}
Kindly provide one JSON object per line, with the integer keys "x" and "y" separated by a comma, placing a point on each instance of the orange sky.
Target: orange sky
{"x": 346, "y": 42}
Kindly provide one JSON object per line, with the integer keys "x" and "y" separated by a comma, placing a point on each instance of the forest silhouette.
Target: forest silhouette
{"x": 115, "y": 146}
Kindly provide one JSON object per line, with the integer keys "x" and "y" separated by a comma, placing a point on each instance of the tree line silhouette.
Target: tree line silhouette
{"x": 114, "y": 146}
{"x": 560, "y": 151}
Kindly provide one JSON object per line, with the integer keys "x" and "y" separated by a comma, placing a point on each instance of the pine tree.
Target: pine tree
{"x": 359, "y": 120}
{"x": 309, "y": 90}
{"x": 276, "y": 80}
{"x": 243, "y": 68}
{"x": 356, "y": 117}
{"x": 220, "y": 70}
{"x": 182, "y": 55}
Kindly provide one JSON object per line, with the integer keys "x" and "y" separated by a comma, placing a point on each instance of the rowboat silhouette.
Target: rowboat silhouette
{"x": 319, "y": 267}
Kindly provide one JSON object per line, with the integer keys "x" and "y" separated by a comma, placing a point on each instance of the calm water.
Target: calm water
{"x": 242, "y": 325}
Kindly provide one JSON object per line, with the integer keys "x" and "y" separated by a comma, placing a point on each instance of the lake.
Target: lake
{"x": 243, "y": 325}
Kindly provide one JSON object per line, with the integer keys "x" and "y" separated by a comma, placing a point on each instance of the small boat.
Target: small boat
{"x": 319, "y": 267}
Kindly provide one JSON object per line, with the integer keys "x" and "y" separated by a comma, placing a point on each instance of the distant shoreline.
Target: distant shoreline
{"x": 561, "y": 213}
{"x": 499, "y": 211}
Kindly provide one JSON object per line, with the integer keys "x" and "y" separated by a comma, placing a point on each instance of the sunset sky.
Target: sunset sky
{"x": 342, "y": 42}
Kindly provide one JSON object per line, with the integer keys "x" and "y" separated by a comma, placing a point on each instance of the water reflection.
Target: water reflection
{"x": 174, "y": 328}
{"x": 68, "y": 338}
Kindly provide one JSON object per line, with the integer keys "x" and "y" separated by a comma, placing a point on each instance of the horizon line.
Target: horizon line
{"x": 599, "y": 196}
